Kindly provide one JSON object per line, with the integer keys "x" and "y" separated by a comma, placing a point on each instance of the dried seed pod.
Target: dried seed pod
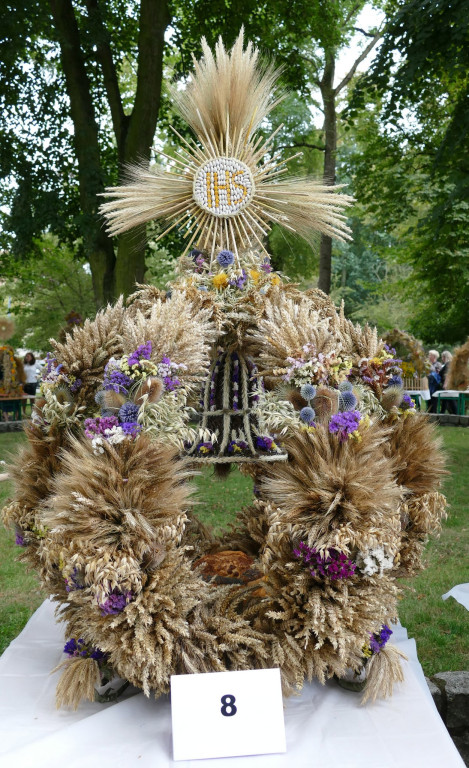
{"x": 153, "y": 387}
{"x": 112, "y": 400}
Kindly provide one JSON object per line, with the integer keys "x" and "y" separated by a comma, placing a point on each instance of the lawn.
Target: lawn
{"x": 439, "y": 627}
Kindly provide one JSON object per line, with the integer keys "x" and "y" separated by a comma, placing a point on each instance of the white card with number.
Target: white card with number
{"x": 227, "y": 714}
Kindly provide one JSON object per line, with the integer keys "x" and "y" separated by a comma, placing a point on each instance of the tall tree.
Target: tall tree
{"x": 71, "y": 55}
{"x": 330, "y": 95}
{"x": 133, "y": 133}
{"x": 412, "y": 167}
{"x": 88, "y": 75}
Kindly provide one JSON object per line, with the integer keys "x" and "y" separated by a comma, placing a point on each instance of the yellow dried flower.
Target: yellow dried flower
{"x": 220, "y": 280}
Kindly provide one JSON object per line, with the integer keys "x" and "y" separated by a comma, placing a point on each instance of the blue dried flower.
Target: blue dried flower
{"x": 308, "y": 391}
{"x": 395, "y": 381}
{"x": 345, "y": 386}
{"x": 265, "y": 443}
{"x": 307, "y": 414}
{"x": 225, "y": 258}
{"x": 128, "y": 413}
{"x": 347, "y": 401}
{"x": 99, "y": 397}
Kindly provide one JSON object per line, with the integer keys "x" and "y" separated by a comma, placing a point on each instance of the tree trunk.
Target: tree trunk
{"x": 138, "y": 138}
{"x": 98, "y": 246}
{"x": 330, "y": 142}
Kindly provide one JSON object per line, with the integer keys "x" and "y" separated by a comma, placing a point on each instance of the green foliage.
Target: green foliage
{"x": 369, "y": 285}
{"x": 410, "y": 160}
{"x": 56, "y": 181}
{"x": 43, "y": 291}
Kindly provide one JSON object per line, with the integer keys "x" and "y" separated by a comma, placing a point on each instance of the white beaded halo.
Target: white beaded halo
{"x": 223, "y": 186}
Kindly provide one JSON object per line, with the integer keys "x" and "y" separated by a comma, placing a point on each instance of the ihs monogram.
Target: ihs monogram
{"x": 223, "y": 186}
{"x": 223, "y": 190}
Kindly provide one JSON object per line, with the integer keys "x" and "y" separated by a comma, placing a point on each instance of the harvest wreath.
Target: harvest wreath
{"x": 233, "y": 365}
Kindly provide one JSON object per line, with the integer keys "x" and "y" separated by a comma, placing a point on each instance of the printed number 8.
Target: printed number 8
{"x": 228, "y": 709}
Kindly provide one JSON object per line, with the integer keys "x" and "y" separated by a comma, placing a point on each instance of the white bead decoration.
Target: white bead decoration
{"x": 223, "y": 186}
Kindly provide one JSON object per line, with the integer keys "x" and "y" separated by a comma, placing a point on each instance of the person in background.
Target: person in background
{"x": 30, "y": 374}
{"x": 447, "y": 406}
{"x": 434, "y": 380}
{"x": 433, "y": 357}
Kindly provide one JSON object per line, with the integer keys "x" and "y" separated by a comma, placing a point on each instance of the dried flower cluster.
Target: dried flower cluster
{"x": 233, "y": 365}
{"x": 103, "y": 511}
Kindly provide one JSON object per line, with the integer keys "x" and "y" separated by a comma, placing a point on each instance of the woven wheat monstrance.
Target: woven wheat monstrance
{"x": 233, "y": 365}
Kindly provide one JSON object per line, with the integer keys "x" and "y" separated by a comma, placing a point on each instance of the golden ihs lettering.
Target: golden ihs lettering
{"x": 213, "y": 188}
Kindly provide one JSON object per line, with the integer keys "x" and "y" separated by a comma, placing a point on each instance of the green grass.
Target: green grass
{"x": 439, "y": 627}
{"x": 20, "y": 594}
{"x": 219, "y": 500}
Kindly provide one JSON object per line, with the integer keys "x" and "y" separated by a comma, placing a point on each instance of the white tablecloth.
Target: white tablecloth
{"x": 460, "y": 593}
{"x": 424, "y": 393}
{"x": 450, "y": 393}
{"x": 325, "y": 726}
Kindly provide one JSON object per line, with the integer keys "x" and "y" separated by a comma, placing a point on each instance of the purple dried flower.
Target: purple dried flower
{"x": 239, "y": 282}
{"x": 379, "y": 640}
{"x": 115, "y": 602}
{"x": 343, "y": 424}
{"x": 19, "y": 539}
{"x": 50, "y": 362}
{"x": 79, "y": 648}
{"x": 131, "y": 428}
{"x": 407, "y": 402}
{"x": 266, "y": 266}
{"x": 237, "y": 446}
{"x": 265, "y": 443}
{"x": 332, "y": 564}
{"x": 98, "y": 655}
{"x": 143, "y": 352}
{"x": 117, "y": 381}
{"x": 128, "y": 412}
{"x": 170, "y": 384}
{"x": 96, "y": 427}
{"x": 75, "y": 581}
{"x": 204, "y": 448}
{"x": 75, "y": 386}
{"x": 345, "y": 386}
{"x": 225, "y": 258}
{"x": 71, "y": 646}
{"x": 200, "y": 266}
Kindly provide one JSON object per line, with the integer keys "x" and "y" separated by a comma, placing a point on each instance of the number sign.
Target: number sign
{"x": 227, "y": 714}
